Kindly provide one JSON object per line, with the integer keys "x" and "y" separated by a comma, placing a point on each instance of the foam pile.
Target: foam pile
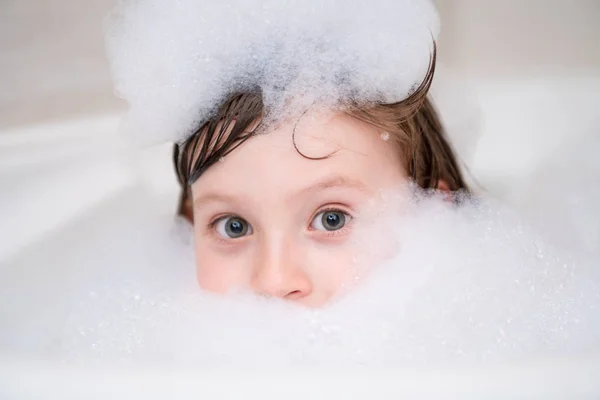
{"x": 174, "y": 62}
{"x": 468, "y": 284}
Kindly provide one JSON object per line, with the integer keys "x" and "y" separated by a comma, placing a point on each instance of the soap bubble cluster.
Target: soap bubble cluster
{"x": 174, "y": 62}
{"x": 467, "y": 284}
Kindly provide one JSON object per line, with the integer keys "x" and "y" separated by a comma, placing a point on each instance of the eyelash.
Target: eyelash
{"x": 212, "y": 228}
{"x": 213, "y": 223}
{"x": 332, "y": 209}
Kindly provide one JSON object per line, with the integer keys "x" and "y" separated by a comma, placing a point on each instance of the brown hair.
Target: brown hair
{"x": 413, "y": 125}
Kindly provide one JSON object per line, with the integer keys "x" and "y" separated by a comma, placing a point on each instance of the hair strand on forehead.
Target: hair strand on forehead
{"x": 413, "y": 125}
{"x": 218, "y": 136}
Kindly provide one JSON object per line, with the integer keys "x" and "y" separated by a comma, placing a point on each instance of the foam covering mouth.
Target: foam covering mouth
{"x": 467, "y": 285}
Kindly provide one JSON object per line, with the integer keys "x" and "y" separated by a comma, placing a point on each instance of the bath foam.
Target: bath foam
{"x": 468, "y": 285}
{"x": 175, "y": 62}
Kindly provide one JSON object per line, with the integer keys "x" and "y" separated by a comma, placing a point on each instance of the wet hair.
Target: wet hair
{"x": 412, "y": 124}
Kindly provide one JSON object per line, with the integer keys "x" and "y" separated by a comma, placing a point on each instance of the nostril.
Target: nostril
{"x": 294, "y": 295}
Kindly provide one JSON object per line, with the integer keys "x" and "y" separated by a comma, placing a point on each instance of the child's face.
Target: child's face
{"x": 269, "y": 219}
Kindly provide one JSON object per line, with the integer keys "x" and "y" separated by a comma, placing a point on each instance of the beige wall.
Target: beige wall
{"x": 514, "y": 37}
{"x": 52, "y": 58}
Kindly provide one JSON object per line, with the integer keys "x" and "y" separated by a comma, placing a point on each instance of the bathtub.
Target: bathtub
{"x": 534, "y": 379}
{"x": 56, "y": 173}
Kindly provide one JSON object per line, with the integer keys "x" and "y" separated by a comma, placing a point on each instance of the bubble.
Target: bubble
{"x": 464, "y": 285}
{"x": 175, "y": 62}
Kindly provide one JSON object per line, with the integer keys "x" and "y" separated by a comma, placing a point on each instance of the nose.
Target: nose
{"x": 278, "y": 273}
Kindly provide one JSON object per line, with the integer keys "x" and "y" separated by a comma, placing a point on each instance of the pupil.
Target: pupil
{"x": 236, "y": 228}
{"x": 333, "y": 220}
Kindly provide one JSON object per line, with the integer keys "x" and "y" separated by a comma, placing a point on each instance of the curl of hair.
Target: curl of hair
{"x": 413, "y": 124}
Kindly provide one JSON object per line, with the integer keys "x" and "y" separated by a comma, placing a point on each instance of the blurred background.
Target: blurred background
{"x": 529, "y": 90}
{"x": 53, "y": 65}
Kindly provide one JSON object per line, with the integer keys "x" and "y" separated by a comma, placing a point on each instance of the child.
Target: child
{"x": 270, "y": 215}
{"x": 275, "y": 201}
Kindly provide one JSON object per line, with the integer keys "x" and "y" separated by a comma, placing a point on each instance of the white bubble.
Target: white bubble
{"x": 466, "y": 285}
{"x": 174, "y": 62}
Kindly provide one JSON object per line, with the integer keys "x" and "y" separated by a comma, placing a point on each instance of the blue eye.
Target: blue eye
{"x": 332, "y": 220}
{"x": 233, "y": 227}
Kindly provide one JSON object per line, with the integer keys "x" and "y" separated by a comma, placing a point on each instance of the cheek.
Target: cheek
{"x": 333, "y": 267}
{"x": 328, "y": 268}
{"x": 218, "y": 272}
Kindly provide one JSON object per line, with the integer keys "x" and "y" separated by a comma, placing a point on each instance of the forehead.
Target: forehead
{"x": 302, "y": 151}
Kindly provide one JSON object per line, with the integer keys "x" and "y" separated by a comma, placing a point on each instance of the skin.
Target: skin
{"x": 279, "y": 200}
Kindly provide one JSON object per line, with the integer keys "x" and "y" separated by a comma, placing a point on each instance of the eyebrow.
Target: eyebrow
{"x": 332, "y": 182}
{"x": 214, "y": 198}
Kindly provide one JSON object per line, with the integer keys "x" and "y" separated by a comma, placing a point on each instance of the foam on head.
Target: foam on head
{"x": 175, "y": 62}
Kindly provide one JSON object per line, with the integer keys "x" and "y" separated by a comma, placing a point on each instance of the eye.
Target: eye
{"x": 233, "y": 227}
{"x": 330, "y": 220}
